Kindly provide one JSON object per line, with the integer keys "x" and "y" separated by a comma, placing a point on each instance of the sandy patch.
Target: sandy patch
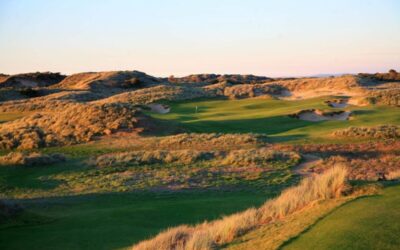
{"x": 315, "y": 115}
{"x": 337, "y": 103}
{"x": 159, "y": 108}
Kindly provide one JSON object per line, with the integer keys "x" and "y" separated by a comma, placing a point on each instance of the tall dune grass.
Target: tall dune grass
{"x": 209, "y": 235}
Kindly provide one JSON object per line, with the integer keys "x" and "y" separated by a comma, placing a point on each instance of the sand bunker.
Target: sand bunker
{"x": 159, "y": 108}
{"x": 315, "y": 115}
{"x": 337, "y": 103}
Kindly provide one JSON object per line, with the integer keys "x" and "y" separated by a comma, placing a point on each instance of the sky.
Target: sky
{"x": 181, "y": 37}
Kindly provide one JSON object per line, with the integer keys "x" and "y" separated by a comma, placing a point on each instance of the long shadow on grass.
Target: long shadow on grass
{"x": 114, "y": 221}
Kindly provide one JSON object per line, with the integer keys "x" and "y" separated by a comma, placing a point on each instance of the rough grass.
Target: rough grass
{"x": 209, "y": 234}
{"x": 30, "y": 159}
{"x": 76, "y": 124}
{"x": 384, "y": 131}
{"x": 250, "y": 157}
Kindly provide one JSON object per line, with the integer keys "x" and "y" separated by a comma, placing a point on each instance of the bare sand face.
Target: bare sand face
{"x": 337, "y": 103}
{"x": 317, "y": 115}
{"x": 159, "y": 108}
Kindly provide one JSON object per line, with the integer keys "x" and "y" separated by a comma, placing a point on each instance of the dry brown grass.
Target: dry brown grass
{"x": 30, "y": 159}
{"x": 381, "y": 132}
{"x": 393, "y": 175}
{"x": 158, "y": 93}
{"x": 76, "y": 124}
{"x": 151, "y": 157}
{"x": 100, "y": 80}
{"x": 216, "y": 233}
{"x": 237, "y": 158}
{"x": 251, "y": 90}
{"x": 388, "y": 97}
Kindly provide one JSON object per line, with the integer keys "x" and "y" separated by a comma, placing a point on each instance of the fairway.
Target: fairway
{"x": 115, "y": 221}
{"x": 270, "y": 116}
{"x": 367, "y": 223}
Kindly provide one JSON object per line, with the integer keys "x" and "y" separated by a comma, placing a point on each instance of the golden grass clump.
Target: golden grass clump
{"x": 75, "y": 124}
{"x": 393, "y": 175}
{"x": 30, "y": 159}
{"x": 211, "y": 140}
{"x": 389, "y": 97}
{"x": 251, "y": 90}
{"x": 257, "y": 157}
{"x": 379, "y": 132}
{"x": 151, "y": 157}
{"x": 209, "y": 235}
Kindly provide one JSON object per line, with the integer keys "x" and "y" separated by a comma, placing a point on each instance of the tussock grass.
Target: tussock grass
{"x": 250, "y": 157}
{"x": 393, "y": 175}
{"x": 76, "y": 124}
{"x": 152, "y": 157}
{"x": 380, "y": 132}
{"x": 216, "y": 233}
{"x": 30, "y": 159}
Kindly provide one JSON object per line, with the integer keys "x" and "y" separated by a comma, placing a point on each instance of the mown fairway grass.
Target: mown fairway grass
{"x": 368, "y": 223}
{"x": 115, "y": 221}
{"x": 260, "y": 115}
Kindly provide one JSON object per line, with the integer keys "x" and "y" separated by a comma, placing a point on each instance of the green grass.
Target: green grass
{"x": 256, "y": 115}
{"x": 118, "y": 220}
{"x": 74, "y": 177}
{"x": 368, "y": 223}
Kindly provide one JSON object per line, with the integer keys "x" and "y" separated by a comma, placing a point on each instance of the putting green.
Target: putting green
{"x": 269, "y": 116}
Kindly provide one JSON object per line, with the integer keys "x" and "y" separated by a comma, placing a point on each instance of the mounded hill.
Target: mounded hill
{"x": 76, "y": 124}
{"x": 102, "y": 80}
{"x": 30, "y": 80}
{"x": 303, "y": 88}
{"x": 216, "y": 78}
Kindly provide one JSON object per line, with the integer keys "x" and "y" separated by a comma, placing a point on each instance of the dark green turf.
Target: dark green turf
{"x": 113, "y": 221}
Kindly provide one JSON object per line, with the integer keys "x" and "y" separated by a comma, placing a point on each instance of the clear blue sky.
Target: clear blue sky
{"x": 164, "y": 37}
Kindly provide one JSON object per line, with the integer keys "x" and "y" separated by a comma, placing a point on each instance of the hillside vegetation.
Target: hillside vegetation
{"x": 121, "y": 159}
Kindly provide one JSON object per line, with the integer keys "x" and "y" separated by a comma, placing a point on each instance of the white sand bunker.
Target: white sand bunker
{"x": 159, "y": 108}
{"x": 337, "y": 103}
{"x": 315, "y": 115}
